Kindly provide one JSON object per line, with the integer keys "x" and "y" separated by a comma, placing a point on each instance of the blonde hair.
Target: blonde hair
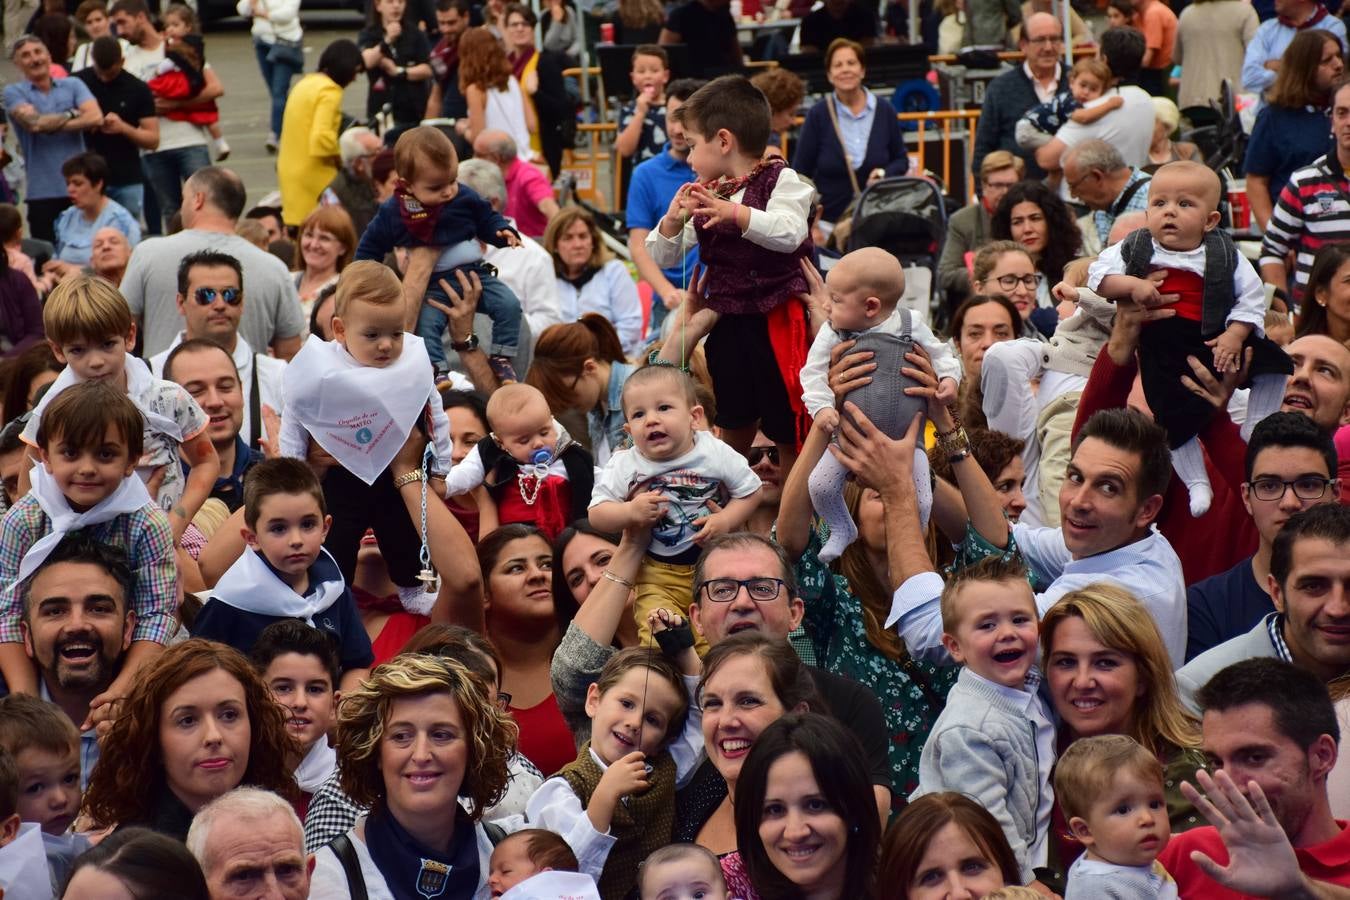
{"x": 992, "y": 568}
{"x": 1086, "y": 771}
{"x": 88, "y": 308}
{"x": 366, "y": 281}
{"x": 999, "y": 160}
{"x": 1166, "y": 111}
{"x": 1076, "y": 272}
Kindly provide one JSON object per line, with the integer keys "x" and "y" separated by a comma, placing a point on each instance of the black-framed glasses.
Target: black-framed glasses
{"x": 205, "y": 296}
{"x": 1306, "y": 487}
{"x": 724, "y": 590}
{"x": 1010, "y": 282}
{"x": 757, "y": 455}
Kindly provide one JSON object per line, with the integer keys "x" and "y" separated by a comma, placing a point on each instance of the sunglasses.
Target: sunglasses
{"x": 757, "y": 455}
{"x": 205, "y": 296}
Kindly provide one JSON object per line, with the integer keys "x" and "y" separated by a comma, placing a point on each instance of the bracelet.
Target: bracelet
{"x": 607, "y": 574}
{"x": 960, "y": 456}
{"x": 655, "y": 359}
{"x": 408, "y": 478}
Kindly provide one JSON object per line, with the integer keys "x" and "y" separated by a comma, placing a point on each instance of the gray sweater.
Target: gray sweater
{"x": 576, "y": 664}
{"x": 1255, "y": 644}
{"x": 984, "y": 746}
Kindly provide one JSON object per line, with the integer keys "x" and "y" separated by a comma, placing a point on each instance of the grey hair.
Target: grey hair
{"x": 1097, "y": 155}
{"x": 503, "y": 147}
{"x": 349, "y": 144}
{"x": 243, "y": 803}
{"x": 485, "y": 178}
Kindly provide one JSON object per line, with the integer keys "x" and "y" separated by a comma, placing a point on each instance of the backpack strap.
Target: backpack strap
{"x": 351, "y": 865}
{"x": 1220, "y": 265}
{"x": 496, "y": 833}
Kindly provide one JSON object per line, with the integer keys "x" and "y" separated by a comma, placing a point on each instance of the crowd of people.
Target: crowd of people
{"x": 391, "y": 538}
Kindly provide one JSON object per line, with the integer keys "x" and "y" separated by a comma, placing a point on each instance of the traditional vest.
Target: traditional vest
{"x": 556, "y": 506}
{"x": 642, "y": 823}
{"x": 1220, "y": 264}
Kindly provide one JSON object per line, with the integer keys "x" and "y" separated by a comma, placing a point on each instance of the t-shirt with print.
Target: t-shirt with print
{"x": 173, "y": 135}
{"x": 711, "y": 472}
{"x": 653, "y": 139}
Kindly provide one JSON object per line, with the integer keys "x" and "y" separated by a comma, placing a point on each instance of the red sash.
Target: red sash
{"x": 790, "y": 339}
{"x": 1190, "y": 287}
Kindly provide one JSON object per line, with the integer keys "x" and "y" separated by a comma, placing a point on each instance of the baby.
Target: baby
{"x": 863, "y": 291}
{"x": 534, "y": 472}
{"x": 430, "y": 208}
{"x": 520, "y": 856}
{"x": 681, "y": 871}
{"x": 1088, "y": 80}
{"x": 671, "y": 480}
{"x": 1220, "y": 313}
{"x": 1111, "y": 790}
{"x": 23, "y": 862}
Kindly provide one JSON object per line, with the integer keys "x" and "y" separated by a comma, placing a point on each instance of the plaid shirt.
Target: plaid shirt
{"x": 146, "y": 537}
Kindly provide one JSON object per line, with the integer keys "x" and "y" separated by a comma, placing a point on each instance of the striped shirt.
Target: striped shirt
{"x": 1313, "y": 210}
{"x": 146, "y": 537}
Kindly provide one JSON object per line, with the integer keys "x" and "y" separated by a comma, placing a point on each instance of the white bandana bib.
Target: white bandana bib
{"x": 250, "y": 585}
{"x": 130, "y": 496}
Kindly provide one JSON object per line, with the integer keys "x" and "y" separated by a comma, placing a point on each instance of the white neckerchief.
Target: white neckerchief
{"x": 316, "y": 767}
{"x": 251, "y": 585}
{"x": 130, "y": 496}
{"x": 359, "y": 414}
{"x": 23, "y": 865}
{"x": 139, "y": 378}
{"x": 552, "y": 883}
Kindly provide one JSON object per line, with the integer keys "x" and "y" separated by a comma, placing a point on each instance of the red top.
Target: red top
{"x": 1328, "y": 862}
{"x": 550, "y": 511}
{"x": 1189, "y": 287}
{"x": 545, "y": 739}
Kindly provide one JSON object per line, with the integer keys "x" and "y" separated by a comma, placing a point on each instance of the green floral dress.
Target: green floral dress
{"x": 912, "y": 694}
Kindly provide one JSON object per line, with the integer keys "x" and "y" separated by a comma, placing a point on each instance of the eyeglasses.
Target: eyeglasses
{"x": 1073, "y": 183}
{"x": 724, "y": 590}
{"x": 758, "y": 454}
{"x": 205, "y": 296}
{"x": 1009, "y": 282}
{"x": 998, "y": 185}
{"x": 1306, "y": 487}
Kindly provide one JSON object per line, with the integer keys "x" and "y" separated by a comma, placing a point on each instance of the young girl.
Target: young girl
{"x": 186, "y": 53}
{"x": 615, "y": 804}
{"x": 397, "y": 56}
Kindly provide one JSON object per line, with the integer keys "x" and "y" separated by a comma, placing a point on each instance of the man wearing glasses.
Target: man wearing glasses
{"x": 968, "y": 228}
{"x": 1010, "y": 95}
{"x": 1098, "y": 177}
{"x": 1291, "y": 466}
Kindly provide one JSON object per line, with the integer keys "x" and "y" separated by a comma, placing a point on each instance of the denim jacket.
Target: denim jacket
{"x": 606, "y": 422}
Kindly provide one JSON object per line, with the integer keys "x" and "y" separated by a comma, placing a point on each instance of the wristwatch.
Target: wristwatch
{"x": 72, "y": 115}
{"x": 465, "y": 346}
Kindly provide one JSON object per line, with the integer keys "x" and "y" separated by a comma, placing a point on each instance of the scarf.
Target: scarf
{"x": 414, "y": 872}
{"x": 520, "y": 59}
{"x": 319, "y": 763}
{"x": 139, "y": 382}
{"x": 130, "y": 496}
{"x": 23, "y": 865}
{"x": 253, "y": 586}
{"x": 1318, "y": 15}
{"x": 419, "y": 219}
{"x": 727, "y": 187}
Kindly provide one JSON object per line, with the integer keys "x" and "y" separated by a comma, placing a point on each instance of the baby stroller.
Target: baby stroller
{"x": 906, "y": 217}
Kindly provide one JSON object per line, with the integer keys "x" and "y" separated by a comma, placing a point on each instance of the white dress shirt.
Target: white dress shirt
{"x": 270, "y": 372}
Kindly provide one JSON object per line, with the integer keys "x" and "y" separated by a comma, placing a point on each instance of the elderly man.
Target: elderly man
{"x": 213, "y": 199}
{"x": 109, "y": 254}
{"x": 211, "y": 301}
{"x": 1010, "y": 95}
{"x": 249, "y": 843}
{"x": 49, "y": 116}
{"x": 1098, "y": 177}
{"x": 529, "y": 196}
{"x": 353, "y": 187}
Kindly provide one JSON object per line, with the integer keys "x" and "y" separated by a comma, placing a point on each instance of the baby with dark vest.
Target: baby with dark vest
{"x": 1220, "y": 311}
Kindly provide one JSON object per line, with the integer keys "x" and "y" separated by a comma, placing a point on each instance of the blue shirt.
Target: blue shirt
{"x": 650, "y": 191}
{"x": 1285, "y": 140}
{"x": 856, "y": 130}
{"x": 229, "y": 488}
{"x": 1224, "y": 606}
{"x": 75, "y": 233}
{"x": 1271, "y": 40}
{"x": 467, "y": 217}
{"x": 44, "y": 153}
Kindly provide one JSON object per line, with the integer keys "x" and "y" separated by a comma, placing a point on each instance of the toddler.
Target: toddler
{"x": 359, "y": 397}
{"x": 668, "y": 481}
{"x": 616, "y": 803}
{"x": 180, "y": 75}
{"x": 994, "y": 741}
{"x": 1111, "y": 791}
{"x": 681, "y": 871}
{"x": 526, "y": 853}
{"x": 89, "y": 441}
{"x": 642, "y": 122}
{"x": 864, "y": 290}
{"x": 1220, "y": 313}
{"x": 1088, "y": 80}
{"x": 430, "y": 208}
{"x": 533, "y": 471}
{"x": 24, "y": 873}
{"x": 749, "y": 218}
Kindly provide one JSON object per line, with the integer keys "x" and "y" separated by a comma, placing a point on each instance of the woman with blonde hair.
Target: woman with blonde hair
{"x": 1163, "y": 150}
{"x": 581, "y": 366}
{"x": 417, "y": 714}
{"x": 590, "y": 279}
{"x": 492, "y": 93}
{"x": 327, "y": 242}
{"x": 639, "y": 21}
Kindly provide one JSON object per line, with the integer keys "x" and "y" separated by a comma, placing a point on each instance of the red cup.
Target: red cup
{"x": 607, "y": 32}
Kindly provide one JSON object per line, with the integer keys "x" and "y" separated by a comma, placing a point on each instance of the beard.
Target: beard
{"x": 93, "y": 672}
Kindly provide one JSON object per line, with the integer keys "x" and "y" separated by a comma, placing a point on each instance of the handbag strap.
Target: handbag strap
{"x": 843, "y": 148}
{"x": 351, "y": 866}
{"x": 254, "y": 407}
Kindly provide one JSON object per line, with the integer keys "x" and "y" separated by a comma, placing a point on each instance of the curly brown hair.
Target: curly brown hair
{"x": 482, "y": 61}
{"x": 362, "y": 716}
{"x": 119, "y": 793}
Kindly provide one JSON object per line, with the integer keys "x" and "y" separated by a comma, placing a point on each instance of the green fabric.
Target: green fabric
{"x": 975, "y": 548}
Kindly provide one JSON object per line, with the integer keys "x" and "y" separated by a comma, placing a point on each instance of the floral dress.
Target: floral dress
{"x": 912, "y": 693}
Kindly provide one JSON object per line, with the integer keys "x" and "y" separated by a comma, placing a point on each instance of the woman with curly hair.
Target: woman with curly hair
{"x": 199, "y": 722}
{"x": 1034, "y": 216}
{"x": 414, "y": 739}
{"x": 492, "y": 93}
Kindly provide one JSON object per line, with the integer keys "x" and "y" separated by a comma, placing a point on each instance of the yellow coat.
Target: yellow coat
{"x": 307, "y": 153}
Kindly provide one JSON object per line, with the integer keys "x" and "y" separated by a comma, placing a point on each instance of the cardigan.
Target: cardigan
{"x": 820, "y": 156}
{"x": 1006, "y": 99}
{"x": 1255, "y": 644}
{"x": 967, "y": 231}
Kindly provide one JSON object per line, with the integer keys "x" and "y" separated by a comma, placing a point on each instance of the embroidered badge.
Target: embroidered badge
{"x": 433, "y": 878}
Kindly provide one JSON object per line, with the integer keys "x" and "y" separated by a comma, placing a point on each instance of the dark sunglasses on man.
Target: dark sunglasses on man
{"x": 205, "y": 296}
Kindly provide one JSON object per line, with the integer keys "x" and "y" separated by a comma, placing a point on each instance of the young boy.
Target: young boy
{"x": 89, "y": 328}
{"x": 533, "y": 471}
{"x": 1111, "y": 790}
{"x": 46, "y": 750}
{"x": 285, "y": 573}
{"x": 24, "y": 873}
{"x": 1088, "y": 80}
{"x": 642, "y": 122}
{"x": 359, "y": 397}
{"x": 615, "y": 804}
{"x": 669, "y": 481}
{"x": 863, "y": 291}
{"x": 753, "y": 255}
{"x": 678, "y": 871}
{"x": 1220, "y": 314}
{"x": 982, "y": 745}
{"x": 526, "y": 853}
{"x": 89, "y": 441}
{"x": 301, "y": 667}
{"x": 430, "y": 208}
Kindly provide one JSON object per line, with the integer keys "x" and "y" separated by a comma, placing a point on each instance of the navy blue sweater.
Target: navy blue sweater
{"x": 1006, "y": 99}
{"x": 464, "y": 218}
{"x": 820, "y": 157}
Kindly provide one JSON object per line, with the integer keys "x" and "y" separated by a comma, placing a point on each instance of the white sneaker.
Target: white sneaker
{"x": 271, "y": 143}
{"x": 222, "y": 149}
